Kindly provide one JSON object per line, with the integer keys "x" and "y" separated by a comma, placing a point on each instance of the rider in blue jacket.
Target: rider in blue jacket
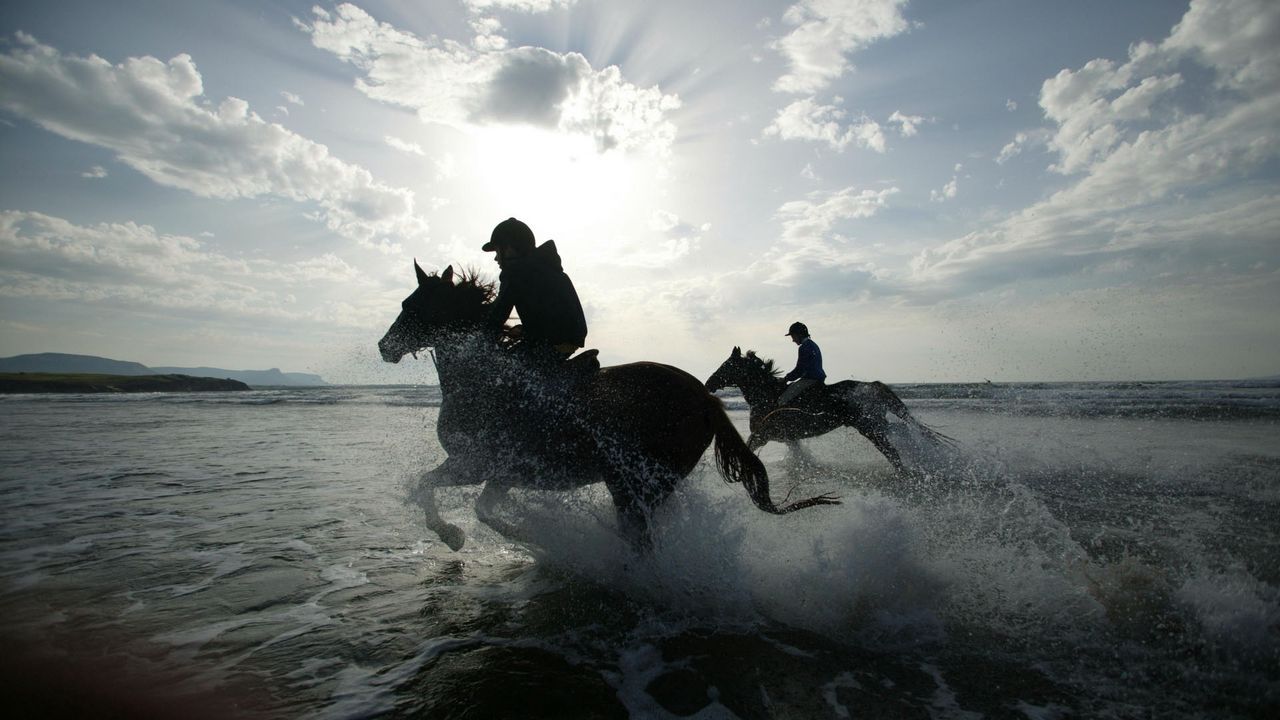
{"x": 808, "y": 371}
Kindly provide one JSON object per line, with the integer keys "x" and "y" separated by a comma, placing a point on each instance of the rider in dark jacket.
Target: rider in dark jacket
{"x": 534, "y": 283}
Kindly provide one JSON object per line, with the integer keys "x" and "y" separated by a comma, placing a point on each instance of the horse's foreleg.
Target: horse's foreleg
{"x": 425, "y": 496}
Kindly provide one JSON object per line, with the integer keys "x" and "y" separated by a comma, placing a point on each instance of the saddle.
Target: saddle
{"x": 814, "y": 400}
{"x": 581, "y": 365}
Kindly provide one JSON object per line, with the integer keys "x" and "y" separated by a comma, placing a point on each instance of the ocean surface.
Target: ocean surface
{"x": 1099, "y": 550}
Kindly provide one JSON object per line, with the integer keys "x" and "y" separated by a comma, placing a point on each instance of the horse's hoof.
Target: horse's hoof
{"x": 453, "y": 536}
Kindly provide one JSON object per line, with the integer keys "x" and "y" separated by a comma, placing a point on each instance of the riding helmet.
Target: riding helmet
{"x": 510, "y": 232}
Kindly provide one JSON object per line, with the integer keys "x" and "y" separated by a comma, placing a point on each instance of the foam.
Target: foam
{"x": 368, "y": 692}
{"x": 1235, "y": 611}
{"x": 719, "y": 558}
{"x": 639, "y": 666}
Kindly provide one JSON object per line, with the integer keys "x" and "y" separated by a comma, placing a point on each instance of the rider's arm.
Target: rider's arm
{"x": 502, "y": 305}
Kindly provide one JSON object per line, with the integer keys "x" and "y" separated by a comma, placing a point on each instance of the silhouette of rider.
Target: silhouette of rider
{"x": 808, "y": 371}
{"x": 533, "y": 282}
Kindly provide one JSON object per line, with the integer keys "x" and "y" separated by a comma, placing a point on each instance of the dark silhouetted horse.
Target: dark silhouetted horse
{"x": 863, "y": 406}
{"x": 639, "y": 428}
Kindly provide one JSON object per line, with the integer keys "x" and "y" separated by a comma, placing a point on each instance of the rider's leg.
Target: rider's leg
{"x": 794, "y": 390}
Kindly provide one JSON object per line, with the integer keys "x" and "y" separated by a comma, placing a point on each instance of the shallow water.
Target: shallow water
{"x": 256, "y": 554}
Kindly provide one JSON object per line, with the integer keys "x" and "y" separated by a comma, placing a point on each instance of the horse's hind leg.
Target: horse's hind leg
{"x": 876, "y": 430}
{"x": 635, "y": 497}
{"x": 866, "y": 410}
{"x": 799, "y": 453}
{"x": 487, "y": 510}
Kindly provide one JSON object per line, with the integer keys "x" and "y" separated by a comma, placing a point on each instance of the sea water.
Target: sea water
{"x": 1093, "y": 550}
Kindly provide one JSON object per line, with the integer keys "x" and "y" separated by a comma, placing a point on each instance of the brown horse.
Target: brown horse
{"x": 863, "y": 406}
{"x": 639, "y": 428}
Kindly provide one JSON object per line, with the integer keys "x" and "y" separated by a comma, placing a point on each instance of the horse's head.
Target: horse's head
{"x": 437, "y": 306}
{"x": 739, "y": 369}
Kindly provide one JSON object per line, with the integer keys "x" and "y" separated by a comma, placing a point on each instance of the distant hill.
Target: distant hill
{"x": 249, "y": 377}
{"x": 98, "y": 383}
{"x": 64, "y": 363}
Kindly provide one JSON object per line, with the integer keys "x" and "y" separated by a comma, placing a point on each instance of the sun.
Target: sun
{"x": 562, "y": 183}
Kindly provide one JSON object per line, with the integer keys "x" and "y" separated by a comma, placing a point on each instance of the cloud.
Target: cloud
{"x": 1010, "y": 105}
{"x": 154, "y": 116}
{"x": 291, "y": 98}
{"x": 449, "y": 83}
{"x": 526, "y": 6}
{"x": 1229, "y": 236}
{"x": 446, "y": 166}
{"x": 670, "y": 241}
{"x": 807, "y": 120}
{"x": 812, "y": 221}
{"x": 908, "y": 125}
{"x": 1151, "y": 184}
{"x": 817, "y": 260}
{"x": 97, "y": 171}
{"x": 488, "y": 37}
{"x": 825, "y": 31}
{"x": 1020, "y": 142}
{"x": 948, "y": 191}
{"x": 1090, "y": 124}
{"x": 132, "y": 266}
{"x": 404, "y": 145}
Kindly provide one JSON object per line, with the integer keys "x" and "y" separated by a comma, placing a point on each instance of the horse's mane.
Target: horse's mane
{"x": 471, "y": 286}
{"x": 469, "y": 281}
{"x": 766, "y": 364}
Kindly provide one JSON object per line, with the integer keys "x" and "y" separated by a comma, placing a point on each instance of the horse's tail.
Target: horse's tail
{"x": 738, "y": 464}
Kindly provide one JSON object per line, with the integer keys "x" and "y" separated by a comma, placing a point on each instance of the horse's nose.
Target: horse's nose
{"x": 389, "y": 354}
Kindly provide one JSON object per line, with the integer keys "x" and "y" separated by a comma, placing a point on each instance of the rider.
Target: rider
{"x": 533, "y": 282}
{"x": 808, "y": 371}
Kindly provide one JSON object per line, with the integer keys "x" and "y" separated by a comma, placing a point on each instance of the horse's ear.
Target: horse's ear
{"x": 447, "y": 275}
{"x": 737, "y": 351}
{"x": 422, "y": 276}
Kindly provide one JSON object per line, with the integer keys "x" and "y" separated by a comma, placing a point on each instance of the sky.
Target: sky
{"x": 941, "y": 191}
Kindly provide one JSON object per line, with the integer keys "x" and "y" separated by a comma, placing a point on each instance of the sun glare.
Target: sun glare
{"x": 564, "y": 184}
